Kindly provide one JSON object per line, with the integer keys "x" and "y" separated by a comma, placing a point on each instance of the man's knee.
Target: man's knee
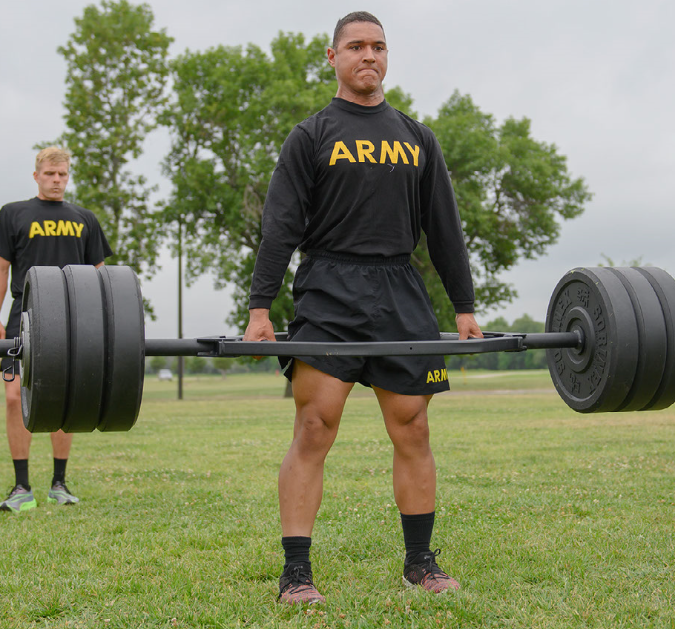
{"x": 416, "y": 430}
{"x": 319, "y": 400}
{"x": 314, "y": 432}
{"x": 410, "y": 433}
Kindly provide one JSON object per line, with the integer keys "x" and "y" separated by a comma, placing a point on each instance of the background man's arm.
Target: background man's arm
{"x": 4, "y": 282}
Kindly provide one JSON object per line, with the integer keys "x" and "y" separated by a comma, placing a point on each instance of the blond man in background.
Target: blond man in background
{"x": 43, "y": 231}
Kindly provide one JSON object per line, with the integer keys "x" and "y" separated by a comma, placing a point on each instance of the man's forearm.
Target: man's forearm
{"x": 4, "y": 279}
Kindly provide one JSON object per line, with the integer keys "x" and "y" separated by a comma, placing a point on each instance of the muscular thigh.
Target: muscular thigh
{"x": 398, "y": 409}
{"x": 318, "y": 396}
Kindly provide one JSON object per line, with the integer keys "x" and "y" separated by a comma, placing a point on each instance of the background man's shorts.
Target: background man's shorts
{"x": 12, "y": 329}
{"x": 361, "y": 299}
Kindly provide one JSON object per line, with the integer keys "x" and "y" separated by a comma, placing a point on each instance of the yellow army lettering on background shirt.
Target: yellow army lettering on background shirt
{"x": 364, "y": 149}
{"x": 52, "y": 228}
{"x": 437, "y": 375}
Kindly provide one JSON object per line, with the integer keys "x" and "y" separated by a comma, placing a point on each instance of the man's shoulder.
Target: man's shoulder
{"x": 78, "y": 209}
{"x": 424, "y": 134}
{"x": 35, "y": 203}
{"x": 17, "y": 206}
{"x": 412, "y": 122}
{"x": 309, "y": 124}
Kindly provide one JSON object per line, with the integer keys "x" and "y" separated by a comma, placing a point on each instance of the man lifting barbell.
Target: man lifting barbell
{"x": 353, "y": 188}
{"x": 45, "y": 230}
{"x": 610, "y": 332}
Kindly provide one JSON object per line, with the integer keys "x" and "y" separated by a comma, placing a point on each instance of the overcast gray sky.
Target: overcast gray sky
{"x": 596, "y": 78}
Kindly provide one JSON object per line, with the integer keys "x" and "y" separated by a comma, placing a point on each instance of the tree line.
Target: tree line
{"x": 227, "y": 111}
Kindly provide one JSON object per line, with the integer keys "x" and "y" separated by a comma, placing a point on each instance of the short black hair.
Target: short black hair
{"x": 356, "y": 16}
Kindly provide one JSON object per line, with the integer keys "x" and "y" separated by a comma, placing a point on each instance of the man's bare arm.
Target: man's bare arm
{"x": 4, "y": 282}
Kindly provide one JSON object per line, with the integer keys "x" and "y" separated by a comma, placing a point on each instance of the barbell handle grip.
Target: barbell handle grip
{"x": 235, "y": 346}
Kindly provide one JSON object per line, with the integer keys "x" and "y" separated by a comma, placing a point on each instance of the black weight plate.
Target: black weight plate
{"x": 664, "y": 286}
{"x": 87, "y": 348}
{"x": 651, "y": 337}
{"x": 44, "y": 386}
{"x": 598, "y": 377}
{"x": 24, "y": 335}
{"x": 125, "y": 348}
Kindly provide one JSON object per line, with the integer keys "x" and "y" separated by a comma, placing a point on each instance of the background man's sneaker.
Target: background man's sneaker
{"x": 19, "y": 499}
{"x": 424, "y": 571}
{"x": 59, "y": 494}
{"x": 296, "y": 587}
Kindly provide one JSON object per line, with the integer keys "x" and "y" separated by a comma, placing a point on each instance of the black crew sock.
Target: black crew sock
{"x": 21, "y": 472}
{"x": 59, "y": 471}
{"x": 417, "y": 531}
{"x": 296, "y": 549}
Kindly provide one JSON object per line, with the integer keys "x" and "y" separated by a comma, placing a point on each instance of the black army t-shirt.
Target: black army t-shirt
{"x": 48, "y": 233}
{"x": 359, "y": 180}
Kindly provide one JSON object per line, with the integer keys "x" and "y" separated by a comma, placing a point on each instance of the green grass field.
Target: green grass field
{"x": 549, "y": 519}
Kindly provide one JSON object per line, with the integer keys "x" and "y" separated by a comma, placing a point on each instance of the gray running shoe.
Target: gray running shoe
{"x": 19, "y": 499}
{"x": 59, "y": 494}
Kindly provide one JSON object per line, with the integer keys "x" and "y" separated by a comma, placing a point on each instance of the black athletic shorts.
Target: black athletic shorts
{"x": 12, "y": 329}
{"x": 362, "y": 299}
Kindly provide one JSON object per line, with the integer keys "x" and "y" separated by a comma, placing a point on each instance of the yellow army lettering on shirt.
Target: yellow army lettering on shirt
{"x": 437, "y": 375}
{"x": 54, "y": 228}
{"x": 364, "y": 150}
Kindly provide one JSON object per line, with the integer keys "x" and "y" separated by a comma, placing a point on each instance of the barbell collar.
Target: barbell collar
{"x": 5, "y": 346}
{"x": 554, "y": 340}
{"x": 181, "y": 347}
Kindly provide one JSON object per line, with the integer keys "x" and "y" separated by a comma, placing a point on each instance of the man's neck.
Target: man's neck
{"x": 367, "y": 100}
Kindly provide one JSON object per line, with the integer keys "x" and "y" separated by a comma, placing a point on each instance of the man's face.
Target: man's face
{"x": 360, "y": 59}
{"x": 51, "y": 178}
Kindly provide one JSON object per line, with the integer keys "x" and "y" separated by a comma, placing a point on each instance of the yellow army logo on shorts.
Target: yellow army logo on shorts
{"x": 53, "y": 228}
{"x": 437, "y": 375}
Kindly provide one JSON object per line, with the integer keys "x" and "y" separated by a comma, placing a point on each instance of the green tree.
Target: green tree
{"x": 527, "y": 325}
{"x": 224, "y": 364}
{"x": 232, "y": 110}
{"x": 115, "y": 87}
{"x": 532, "y": 358}
{"x": 633, "y": 262}
{"x": 512, "y": 192}
{"x": 196, "y": 364}
{"x": 484, "y": 361}
{"x": 155, "y": 363}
